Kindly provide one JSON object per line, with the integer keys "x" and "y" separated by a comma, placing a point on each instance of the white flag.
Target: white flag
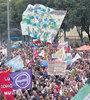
{"x": 77, "y": 56}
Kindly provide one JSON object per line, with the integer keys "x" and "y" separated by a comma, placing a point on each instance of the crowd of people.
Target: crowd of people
{"x": 45, "y": 86}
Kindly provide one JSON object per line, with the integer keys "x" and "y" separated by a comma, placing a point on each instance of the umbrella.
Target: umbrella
{"x": 85, "y": 47}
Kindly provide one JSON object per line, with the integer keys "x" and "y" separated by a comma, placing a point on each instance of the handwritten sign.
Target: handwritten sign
{"x": 57, "y": 67}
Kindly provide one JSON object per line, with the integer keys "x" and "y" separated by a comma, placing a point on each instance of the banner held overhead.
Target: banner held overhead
{"x": 21, "y": 79}
{"x": 41, "y": 22}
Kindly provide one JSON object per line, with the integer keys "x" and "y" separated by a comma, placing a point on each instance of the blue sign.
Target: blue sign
{"x": 44, "y": 63}
{"x": 16, "y": 63}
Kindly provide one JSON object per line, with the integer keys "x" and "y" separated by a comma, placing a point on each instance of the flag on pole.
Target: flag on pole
{"x": 21, "y": 79}
{"x": 83, "y": 93}
{"x": 41, "y": 22}
{"x": 16, "y": 63}
{"x": 60, "y": 54}
{"x": 77, "y": 56}
{"x": 35, "y": 55}
{"x": 5, "y": 85}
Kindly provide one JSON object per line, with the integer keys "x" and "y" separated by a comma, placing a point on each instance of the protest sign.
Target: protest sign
{"x": 16, "y": 63}
{"x": 21, "y": 79}
{"x": 83, "y": 93}
{"x": 44, "y": 63}
{"x": 60, "y": 54}
{"x": 57, "y": 67}
{"x": 50, "y": 67}
{"x": 77, "y": 56}
{"x": 41, "y": 22}
{"x": 5, "y": 85}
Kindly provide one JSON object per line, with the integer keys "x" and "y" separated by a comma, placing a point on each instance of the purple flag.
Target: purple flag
{"x": 21, "y": 79}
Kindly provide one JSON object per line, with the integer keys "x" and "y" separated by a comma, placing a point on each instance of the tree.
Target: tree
{"x": 3, "y": 15}
{"x": 86, "y": 17}
{"x": 67, "y": 5}
{"x": 82, "y": 17}
{"x": 17, "y": 7}
{"x": 78, "y": 13}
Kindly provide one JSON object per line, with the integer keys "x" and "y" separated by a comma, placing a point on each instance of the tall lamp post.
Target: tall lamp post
{"x": 0, "y": 37}
{"x": 8, "y": 29}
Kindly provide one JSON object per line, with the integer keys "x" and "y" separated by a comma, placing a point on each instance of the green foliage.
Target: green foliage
{"x": 3, "y": 15}
{"x": 17, "y": 7}
{"x": 78, "y": 14}
{"x": 76, "y": 44}
{"x": 86, "y": 40}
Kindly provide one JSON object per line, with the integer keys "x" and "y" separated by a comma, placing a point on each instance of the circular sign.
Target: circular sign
{"x": 22, "y": 80}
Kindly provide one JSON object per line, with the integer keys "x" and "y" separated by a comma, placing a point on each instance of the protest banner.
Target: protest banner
{"x": 16, "y": 63}
{"x": 60, "y": 54}
{"x": 83, "y": 93}
{"x": 77, "y": 56}
{"x": 57, "y": 67}
{"x": 5, "y": 85}
{"x": 21, "y": 79}
{"x": 50, "y": 67}
{"x": 41, "y": 22}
